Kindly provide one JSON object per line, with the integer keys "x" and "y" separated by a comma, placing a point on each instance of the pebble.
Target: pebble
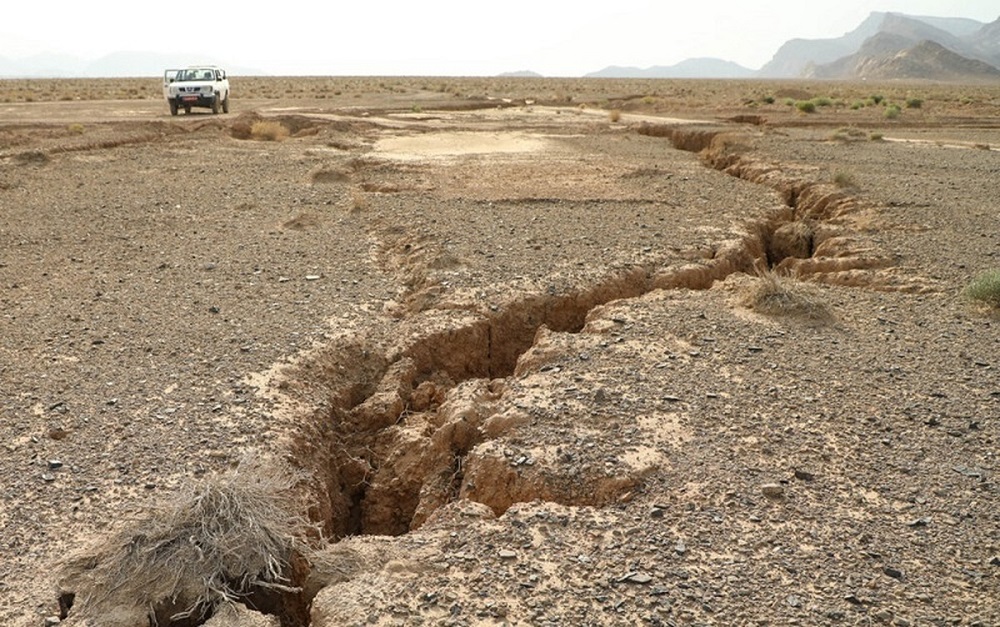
{"x": 507, "y": 554}
{"x": 54, "y": 464}
{"x": 51, "y": 620}
{"x": 919, "y": 522}
{"x": 48, "y": 477}
{"x": 636, "y": 577}
{"x": 656, "y": 512}
{"x": 312, "y": 277}
{"x": 773, "y": 490}
{"x": 803, "y": 475}
{"x": 895, "y": 573}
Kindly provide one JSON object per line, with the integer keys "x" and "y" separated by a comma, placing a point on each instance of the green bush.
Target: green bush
{"x": 985, "y": 288}
{"x": 822, "y": 101}
{"x": 876, "y": 99}
{"x": 806, "y": 106}
{"x": 914, "y": 103}
{"x": 893, "y": 111}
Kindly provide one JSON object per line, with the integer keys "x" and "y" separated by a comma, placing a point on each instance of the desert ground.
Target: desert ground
{"x": 457, "y": 351}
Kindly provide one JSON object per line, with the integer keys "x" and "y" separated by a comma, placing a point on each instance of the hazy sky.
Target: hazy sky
{"x": 446, "y": 37}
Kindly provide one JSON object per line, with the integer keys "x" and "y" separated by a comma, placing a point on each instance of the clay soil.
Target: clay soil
{"x": 512, "y": 334}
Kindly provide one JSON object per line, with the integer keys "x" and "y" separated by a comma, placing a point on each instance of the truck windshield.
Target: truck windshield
{"x": 195, "y": 75}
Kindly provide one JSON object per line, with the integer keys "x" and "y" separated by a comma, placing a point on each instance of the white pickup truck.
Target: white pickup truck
{"x": 196, "y": 86}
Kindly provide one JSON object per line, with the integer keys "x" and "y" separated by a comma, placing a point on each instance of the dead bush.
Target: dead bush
{"x": 221, "y": 540}
{"x": 772, "y": 295}
{"x": 269, "y": 130}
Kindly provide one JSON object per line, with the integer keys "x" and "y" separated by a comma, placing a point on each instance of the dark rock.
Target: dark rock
{"x": 803, "y": 475}
{"x": 892, "y": 572}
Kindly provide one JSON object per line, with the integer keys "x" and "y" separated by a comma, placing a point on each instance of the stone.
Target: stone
{"x": 773, "y": 490}
{"x": 895, "y": 573}
{"x": 507, "y": 554}
{"x": 803, "y": 475}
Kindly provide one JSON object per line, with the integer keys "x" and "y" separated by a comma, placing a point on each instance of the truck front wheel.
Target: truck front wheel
{"x": 225, "y": 104}
{"x": 173, "y": 106}
{"x": 215, "y": 104}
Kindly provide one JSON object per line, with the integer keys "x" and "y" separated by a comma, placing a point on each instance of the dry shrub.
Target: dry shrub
{"x": 359, "y": 201}
{"x": 221, "y": 540}
{"x": 772, "y": 295}
{"x": 615, "y": 115}
{"x": 326, "y": 175}
{"x": 32, "y": 157}
{"x": 269, "y": 130}
{"x": 302, "y": 221}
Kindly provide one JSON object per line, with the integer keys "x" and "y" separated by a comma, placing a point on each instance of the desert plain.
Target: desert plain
{"x": 521, "y": 351}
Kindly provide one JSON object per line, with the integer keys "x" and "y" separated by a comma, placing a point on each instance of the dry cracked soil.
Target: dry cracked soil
{"x": 530, "y": 361}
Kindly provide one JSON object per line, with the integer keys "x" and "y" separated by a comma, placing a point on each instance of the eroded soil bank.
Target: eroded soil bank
{"x": 526, "y": 384}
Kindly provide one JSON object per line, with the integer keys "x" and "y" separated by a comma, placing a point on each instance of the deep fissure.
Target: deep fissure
{"x": 391, "y": 442}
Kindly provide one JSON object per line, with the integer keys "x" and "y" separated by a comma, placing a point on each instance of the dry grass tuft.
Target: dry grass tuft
{"x": 615, "y": 115}
{"x": 772, "y": 295}
{"x": 359, "y": 201}
{"x": 269, "y": 130}
{"x": 219, "y": 541}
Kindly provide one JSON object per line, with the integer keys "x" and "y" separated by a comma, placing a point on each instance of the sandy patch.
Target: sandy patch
{"x": 445, "y": 145}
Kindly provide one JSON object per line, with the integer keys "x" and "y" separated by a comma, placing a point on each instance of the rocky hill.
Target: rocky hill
{"x": 894, "y": 46}
{"x": 890, "y": 57}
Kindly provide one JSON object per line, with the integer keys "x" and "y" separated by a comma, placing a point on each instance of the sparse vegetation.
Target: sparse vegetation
{"x": 615, "y": 115}
{"x": 75, "y": 129}
{"x": 806, "y": 106}
{"x": 985, "y": 289}
{"x": 847, "y": 135}
{"x": 914, "y": 103}
{"x": 893, "y": 111}
{"x": 876, "y": 136}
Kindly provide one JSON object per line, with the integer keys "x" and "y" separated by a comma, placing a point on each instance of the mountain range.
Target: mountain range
{"x": 885, "y": 46}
